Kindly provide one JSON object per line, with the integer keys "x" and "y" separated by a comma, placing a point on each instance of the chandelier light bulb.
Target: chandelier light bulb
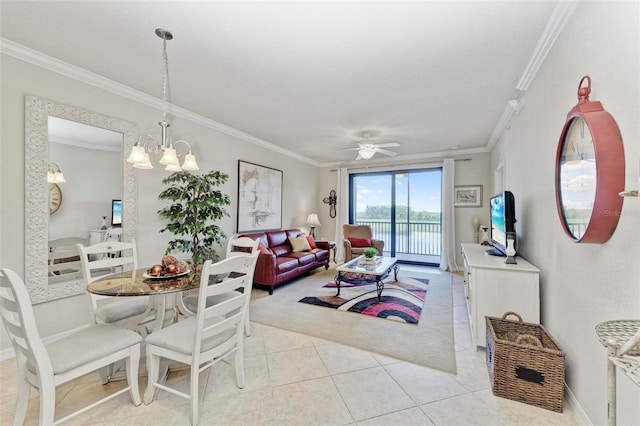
{"x": 137, "y": 154}
{"x": 169, "y": 157}
{"x": 145, "y": 164}
{"x": 190, "y": 163}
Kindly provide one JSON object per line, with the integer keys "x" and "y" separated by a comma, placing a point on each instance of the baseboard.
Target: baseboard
{"x": 581, "y": 417}
{"x": 10, "y": 353}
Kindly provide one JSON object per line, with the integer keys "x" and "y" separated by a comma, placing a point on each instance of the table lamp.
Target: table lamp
{"x": 312, "y": 222}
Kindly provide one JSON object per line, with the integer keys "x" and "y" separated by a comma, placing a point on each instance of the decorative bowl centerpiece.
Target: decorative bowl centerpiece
{"x": 169, "y": 267}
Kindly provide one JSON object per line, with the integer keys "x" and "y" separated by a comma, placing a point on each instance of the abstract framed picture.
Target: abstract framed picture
{"x": 259, "y": 197}
{"x": 467, "y": 196}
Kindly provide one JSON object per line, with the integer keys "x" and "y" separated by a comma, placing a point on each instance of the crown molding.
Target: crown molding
{"x": 561, "y": 14}
{"x": 34, "y": 57}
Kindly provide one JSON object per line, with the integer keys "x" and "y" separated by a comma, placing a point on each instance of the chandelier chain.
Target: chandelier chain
{"x": 165, "y": 78}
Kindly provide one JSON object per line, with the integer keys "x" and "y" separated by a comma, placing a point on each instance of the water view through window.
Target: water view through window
{"x": 404, "y": 209}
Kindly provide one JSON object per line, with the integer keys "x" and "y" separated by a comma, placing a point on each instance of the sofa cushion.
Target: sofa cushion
{"x": 299, "y": 243}
{"x": 281, "y": 250}
{"x": 277, "y": 238}
{"x": 312, "y": 242}
{"x": 320, "y": 254}
{"x": 285, "y": 264}
{"x": 304, "y": 257}
{"x": 360, "y": 242}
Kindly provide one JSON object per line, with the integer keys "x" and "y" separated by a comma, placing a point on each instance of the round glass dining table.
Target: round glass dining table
{"x": 138, "y": 283}
{"x": 165, "y": 293}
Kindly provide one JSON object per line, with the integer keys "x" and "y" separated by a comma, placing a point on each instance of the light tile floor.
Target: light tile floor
{"x": 294, "y": 379}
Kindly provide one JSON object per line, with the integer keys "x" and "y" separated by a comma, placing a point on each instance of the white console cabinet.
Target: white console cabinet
{"x": 493, "y": 287}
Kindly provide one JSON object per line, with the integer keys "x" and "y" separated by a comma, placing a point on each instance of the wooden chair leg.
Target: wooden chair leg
{"x": 24, "y": 391}
{"x": 153, "y": 371}
{"x": 195, "y": 398}
{"x": 132, "y": 364}
{"x": 47, "y": 403}
{"x": 239, "y": 361}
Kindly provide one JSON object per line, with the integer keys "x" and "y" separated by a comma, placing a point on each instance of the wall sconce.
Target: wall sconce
{"x": 332, "y": 199}
{"x": 312, "y": 222}
{"x": 54, "y": 174}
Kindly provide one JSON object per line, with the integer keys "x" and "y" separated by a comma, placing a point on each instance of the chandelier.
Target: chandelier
{"x": 147, "y": 144}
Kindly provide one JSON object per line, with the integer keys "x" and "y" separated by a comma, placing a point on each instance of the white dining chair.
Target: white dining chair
{"x": 64, "y": 259}
{"x": 45, "y": 367}
{"x": 235, "y": 247}
{"x": 209, "y": 336}
{"x": 107, "y": 258}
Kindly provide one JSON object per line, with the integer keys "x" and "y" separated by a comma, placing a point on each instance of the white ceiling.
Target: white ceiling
{"x": 307, "y": 77}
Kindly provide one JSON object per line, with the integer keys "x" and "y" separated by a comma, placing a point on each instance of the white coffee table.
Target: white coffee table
{"x": 379, "y": 271}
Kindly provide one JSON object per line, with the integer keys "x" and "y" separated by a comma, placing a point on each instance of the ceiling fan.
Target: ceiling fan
{"x": 368, "y": 147}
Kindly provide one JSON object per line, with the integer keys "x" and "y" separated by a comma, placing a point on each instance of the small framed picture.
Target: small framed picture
{"x": 467, "y": 196}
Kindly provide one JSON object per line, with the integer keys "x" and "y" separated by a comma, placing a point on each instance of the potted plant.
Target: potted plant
{"x": 195, "y": 205}
{"x": 370, "y": 252}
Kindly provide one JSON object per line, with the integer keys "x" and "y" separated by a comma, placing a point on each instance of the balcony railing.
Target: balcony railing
{"x": 414, "y": 238}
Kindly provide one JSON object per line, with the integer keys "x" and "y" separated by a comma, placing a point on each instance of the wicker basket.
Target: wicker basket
{"x": 525, "y": 363}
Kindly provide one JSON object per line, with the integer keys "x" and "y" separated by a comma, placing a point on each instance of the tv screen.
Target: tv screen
{"x": 503, "y": 220}
{"x": 116, "y": 212}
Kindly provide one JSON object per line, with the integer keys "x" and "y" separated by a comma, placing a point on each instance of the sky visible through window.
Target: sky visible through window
{"x": 420, "y": 190}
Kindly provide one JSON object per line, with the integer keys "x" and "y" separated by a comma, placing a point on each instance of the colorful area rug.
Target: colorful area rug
{"x": 429, "y": 343}
{"x": 400, "y": 300}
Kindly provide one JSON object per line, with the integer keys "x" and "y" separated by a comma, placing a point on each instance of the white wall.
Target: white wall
{"x": 581, "y": 284}
{"x": 215, "y": 151}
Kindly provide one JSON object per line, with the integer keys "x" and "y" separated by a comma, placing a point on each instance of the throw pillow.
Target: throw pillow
{"x": 360, "y": 242}
{"x": 312, "y": 242}
{"x": 299, "y": 243}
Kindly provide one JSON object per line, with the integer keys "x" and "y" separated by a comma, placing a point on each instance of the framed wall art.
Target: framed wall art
{"x": 467, "y": 196}
{"x": 259, "y": 197}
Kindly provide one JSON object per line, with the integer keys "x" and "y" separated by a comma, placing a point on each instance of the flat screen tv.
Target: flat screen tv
{"x": 116, "y": 212}
{"x": 503, "y": 219}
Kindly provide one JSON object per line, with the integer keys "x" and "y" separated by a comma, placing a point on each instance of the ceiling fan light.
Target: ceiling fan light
{"x": 367, "y": 153}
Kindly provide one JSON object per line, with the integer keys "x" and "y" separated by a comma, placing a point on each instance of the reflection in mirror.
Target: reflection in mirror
{"x": 85, "y": 207}
{"x": 91, "y": 158}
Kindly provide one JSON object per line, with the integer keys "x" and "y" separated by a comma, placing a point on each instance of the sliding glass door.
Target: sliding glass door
{"x": 403, "y": 209}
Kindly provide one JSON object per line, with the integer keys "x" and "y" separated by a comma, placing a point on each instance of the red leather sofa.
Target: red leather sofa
{"x": 278, "y": 263}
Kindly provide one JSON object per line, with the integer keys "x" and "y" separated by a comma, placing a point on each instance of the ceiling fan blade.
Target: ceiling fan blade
{"x": 387, "y": 144}
{"x": 359, "y": 157}
{"x": 385, "y": 152}
{"x": 348, "y": 149}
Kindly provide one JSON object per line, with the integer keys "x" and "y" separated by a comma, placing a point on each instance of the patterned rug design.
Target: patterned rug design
{"x": 400, "y": 301}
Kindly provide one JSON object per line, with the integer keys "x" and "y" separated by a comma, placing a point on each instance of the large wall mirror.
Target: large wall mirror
{"x": 89, "y": 148}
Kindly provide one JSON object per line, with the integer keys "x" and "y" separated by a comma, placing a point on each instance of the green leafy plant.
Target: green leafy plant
{"x": 369, "y": 252}
{"x": 195, "y": 205}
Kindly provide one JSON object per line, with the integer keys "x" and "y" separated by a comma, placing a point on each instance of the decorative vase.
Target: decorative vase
{"x": 104, "y": 223}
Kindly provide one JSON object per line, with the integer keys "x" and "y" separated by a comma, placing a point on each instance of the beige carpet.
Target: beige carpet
{"x": 430, "y": 343}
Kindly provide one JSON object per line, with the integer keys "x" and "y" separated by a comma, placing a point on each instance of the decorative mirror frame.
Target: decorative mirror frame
{"x": 37, "y": 111}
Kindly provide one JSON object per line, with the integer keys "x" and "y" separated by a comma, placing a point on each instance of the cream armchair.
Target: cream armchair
{"x": 356, "y": 239}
